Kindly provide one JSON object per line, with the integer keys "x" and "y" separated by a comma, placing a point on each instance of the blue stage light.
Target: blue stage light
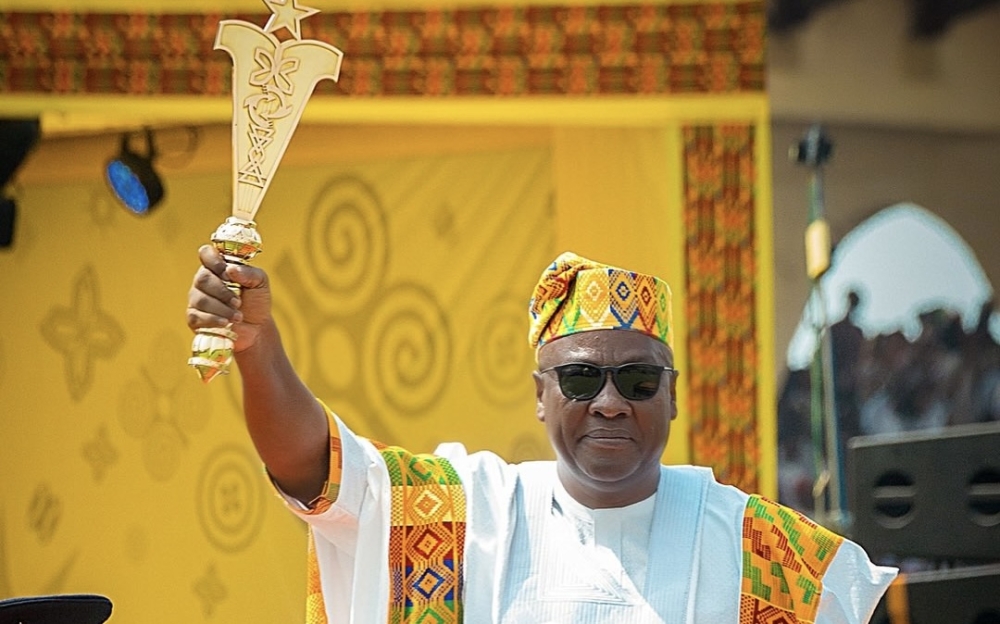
{"x": 132, "y": 178}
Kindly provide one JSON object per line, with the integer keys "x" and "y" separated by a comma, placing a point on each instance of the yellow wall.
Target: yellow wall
{"x": 123, "y": 475}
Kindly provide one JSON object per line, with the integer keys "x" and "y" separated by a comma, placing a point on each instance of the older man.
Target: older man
{"x": 603, "y": 534}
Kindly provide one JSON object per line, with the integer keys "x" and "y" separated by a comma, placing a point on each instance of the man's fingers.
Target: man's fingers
{"x": 245, "y": 275}
{"x": 206, "y": 310}
{"x": 211, "y": 285}
{"x": 214, "y": 284}
{"x": 211, "y": 259}
{"x": 197, "y": 319}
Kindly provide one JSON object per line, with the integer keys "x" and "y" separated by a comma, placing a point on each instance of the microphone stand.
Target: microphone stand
{"x": 813, "y": 151}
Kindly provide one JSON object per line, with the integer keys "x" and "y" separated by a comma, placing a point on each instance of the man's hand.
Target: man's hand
{"x": 212, "y": 304}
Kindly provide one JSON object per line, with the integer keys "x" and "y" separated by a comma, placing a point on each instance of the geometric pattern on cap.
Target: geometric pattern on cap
{"x": 575, "y": 295}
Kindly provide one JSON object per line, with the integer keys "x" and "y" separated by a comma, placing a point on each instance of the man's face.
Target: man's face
{"x": 608, "y": 448}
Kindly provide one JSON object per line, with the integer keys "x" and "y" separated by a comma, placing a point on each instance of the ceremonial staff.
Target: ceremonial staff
{"x": 272, "y": 80}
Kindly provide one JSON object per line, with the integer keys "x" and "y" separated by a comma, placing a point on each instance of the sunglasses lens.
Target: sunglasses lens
{"x": 638, "y": 382}
{"x": 580, "y": 381}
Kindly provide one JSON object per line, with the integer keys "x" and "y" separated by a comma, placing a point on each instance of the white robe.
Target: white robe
{"x": 530, "y": 560}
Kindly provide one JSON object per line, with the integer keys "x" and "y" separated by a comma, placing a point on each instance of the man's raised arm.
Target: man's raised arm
{"x": 287, "y": 424}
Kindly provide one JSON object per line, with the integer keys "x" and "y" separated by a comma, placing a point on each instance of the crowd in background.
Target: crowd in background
{"x": 888, "y": 383}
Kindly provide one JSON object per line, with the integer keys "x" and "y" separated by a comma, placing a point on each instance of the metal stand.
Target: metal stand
{"x": 828, "y": 495}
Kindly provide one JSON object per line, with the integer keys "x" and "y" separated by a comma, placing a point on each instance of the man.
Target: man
{"x": 603, "y": 534}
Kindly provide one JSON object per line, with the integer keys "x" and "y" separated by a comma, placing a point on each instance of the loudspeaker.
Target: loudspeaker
{"x": 8, "y": 214}
{"x": 928, "y": 494}
{"x": 962, "y": 596}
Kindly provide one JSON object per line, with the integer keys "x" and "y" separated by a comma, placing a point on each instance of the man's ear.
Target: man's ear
{"x": 539, "y": 391}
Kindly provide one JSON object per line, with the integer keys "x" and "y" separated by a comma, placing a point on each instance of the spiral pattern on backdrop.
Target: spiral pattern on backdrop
{"x": 407, "y": 351}
{"x": 230, "y": 499}
{"x": 347, "y": 241}
{"x": 500, "y": 358}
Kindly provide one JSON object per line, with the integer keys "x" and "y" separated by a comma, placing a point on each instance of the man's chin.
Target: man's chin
{"x": 610, "y": 475}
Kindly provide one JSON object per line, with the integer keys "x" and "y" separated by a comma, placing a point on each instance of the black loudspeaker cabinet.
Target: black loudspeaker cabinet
{"x": 928, "y": 494}
{"x": 961, "y": 596}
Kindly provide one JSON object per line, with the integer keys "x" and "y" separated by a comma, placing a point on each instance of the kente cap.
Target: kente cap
{"x": 575, "y": 295}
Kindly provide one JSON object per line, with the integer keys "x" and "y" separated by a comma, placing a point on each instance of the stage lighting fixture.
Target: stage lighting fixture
{"x": 132, "y": 178}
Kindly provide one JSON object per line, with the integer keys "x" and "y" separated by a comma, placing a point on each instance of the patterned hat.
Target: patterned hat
{"x": 575, "y": 294}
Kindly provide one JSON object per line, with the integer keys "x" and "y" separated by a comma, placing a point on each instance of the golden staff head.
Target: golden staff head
{"x": 272, "y": 80}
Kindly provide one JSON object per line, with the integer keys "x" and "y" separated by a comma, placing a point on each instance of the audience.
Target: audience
{"x": 887, "y": 384}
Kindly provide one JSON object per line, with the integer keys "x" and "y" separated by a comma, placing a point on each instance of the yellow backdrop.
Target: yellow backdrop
{"x": 402, "y": 257}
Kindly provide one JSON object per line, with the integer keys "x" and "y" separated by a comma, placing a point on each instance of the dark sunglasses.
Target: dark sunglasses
{"x": 635, "y": 382}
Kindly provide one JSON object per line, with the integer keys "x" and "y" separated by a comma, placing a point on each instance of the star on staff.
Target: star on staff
{"x": 287, "y": 14}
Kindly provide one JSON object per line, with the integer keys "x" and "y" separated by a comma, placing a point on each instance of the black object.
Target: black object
{"x": 928, "y": 18}
{"x": 814, "y": 149}
{"x": 929, "y": 494}
{"x": 8, "y": 215}
{"x": 785, "y": 15}
{"x": 960, "y": 596}
{"x": 17, "y": 138}
{"x": 931, "y": 18}
{"x": 57, "y": 609}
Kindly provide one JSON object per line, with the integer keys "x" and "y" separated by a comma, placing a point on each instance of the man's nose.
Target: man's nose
{"x": 609, "y": 402}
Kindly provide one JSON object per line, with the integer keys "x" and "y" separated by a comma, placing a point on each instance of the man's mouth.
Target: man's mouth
{"x": 608, "y": 436}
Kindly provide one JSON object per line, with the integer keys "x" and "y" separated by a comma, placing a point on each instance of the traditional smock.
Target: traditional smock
{"x": 456, "y": 537}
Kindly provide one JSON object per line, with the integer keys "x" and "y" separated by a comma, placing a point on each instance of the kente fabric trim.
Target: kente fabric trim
{"x": 315, "y": 606}
{"x": 785, "y": 556}
{"x": 575, "y": 295}
{"x": 639, "y": 49}
{"x": 426, "y": 539}
{"x": 331, "y": 489}
{"x": 721, "y": 247}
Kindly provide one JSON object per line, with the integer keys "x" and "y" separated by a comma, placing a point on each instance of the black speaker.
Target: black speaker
{"x": 8, "y": 214}
{"x": 928, "y": 494}
{"x": 961, "y": 596}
